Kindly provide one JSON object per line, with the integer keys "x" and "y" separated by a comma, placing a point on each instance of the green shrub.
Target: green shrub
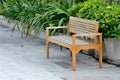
{"x": 23, "y": 11}
{"x": 74, "y": 9}
{"x": 37, "y": 15}
{"x": 1, "y": 8}
{"x": 108, "y": 14}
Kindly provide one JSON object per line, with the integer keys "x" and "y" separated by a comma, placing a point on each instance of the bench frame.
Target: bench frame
{"x": 97, "y": 44}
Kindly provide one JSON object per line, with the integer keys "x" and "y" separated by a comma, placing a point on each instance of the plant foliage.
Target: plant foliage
{"x": 36, "y": 15}
{"x": 108, "y": 14}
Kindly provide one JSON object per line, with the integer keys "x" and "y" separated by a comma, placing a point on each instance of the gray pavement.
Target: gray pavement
{"x": 25, "y": 59}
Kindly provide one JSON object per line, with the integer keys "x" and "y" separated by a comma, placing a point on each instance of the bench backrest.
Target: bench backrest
{"x": 78, "y": 25}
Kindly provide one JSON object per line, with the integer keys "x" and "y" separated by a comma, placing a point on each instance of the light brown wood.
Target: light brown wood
{"x": 76, "y": 39}
{"x": 47, "y": 42}
{"x": 74, "y": 52}
{"x": 58, "y": 27}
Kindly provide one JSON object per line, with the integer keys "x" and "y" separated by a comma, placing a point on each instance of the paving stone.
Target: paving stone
{"x": 25, "y": 59}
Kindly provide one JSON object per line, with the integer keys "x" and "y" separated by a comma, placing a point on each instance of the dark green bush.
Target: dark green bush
{"x": 108, "y": 14}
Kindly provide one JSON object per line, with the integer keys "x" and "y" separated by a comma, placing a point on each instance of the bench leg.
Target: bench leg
{"x": 47, "y": 49}
{"x": 100, "y": 58}
{"x": 74, "y": 60}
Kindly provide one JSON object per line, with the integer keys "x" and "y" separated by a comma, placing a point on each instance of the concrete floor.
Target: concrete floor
{"x": 25, "y": 59}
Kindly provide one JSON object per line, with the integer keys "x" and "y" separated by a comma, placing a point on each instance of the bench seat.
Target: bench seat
{"x": 67, "y": 40}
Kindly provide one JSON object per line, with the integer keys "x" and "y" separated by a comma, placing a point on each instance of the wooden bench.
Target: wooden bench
{"x": 82, "y": 34}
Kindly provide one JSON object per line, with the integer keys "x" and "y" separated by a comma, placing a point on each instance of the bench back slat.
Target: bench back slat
{"x": 78, "y": 25}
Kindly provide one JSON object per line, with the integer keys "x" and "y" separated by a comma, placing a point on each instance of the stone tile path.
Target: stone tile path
{"x": 13, "y": 64}
{"x": 25, "y": 59}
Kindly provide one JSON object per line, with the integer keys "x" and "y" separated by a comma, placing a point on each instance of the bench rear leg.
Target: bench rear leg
{"x": 47, "y": 49}
{"x": 100, "y": 58}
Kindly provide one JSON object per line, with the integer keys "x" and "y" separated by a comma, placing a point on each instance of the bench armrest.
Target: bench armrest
{"x": 99, "y": 35}
{"x": 57, "y": 27}
{"x": 48, "y": 28}
{"x": 91, "y": 34}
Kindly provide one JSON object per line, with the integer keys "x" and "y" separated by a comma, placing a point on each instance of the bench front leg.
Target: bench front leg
{"x": 100, "y": 52}
{"x": 74, "y": 53}
{"x": 47, "y": 43}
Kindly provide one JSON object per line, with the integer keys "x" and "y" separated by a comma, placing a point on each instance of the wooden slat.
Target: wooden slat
{"x": 78, "y": 25}
{"x": 81, "y": 23}
{"x": 73, "y": 29}
{"x": 92, "y": 22}
{"x": 81, "y": 29}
